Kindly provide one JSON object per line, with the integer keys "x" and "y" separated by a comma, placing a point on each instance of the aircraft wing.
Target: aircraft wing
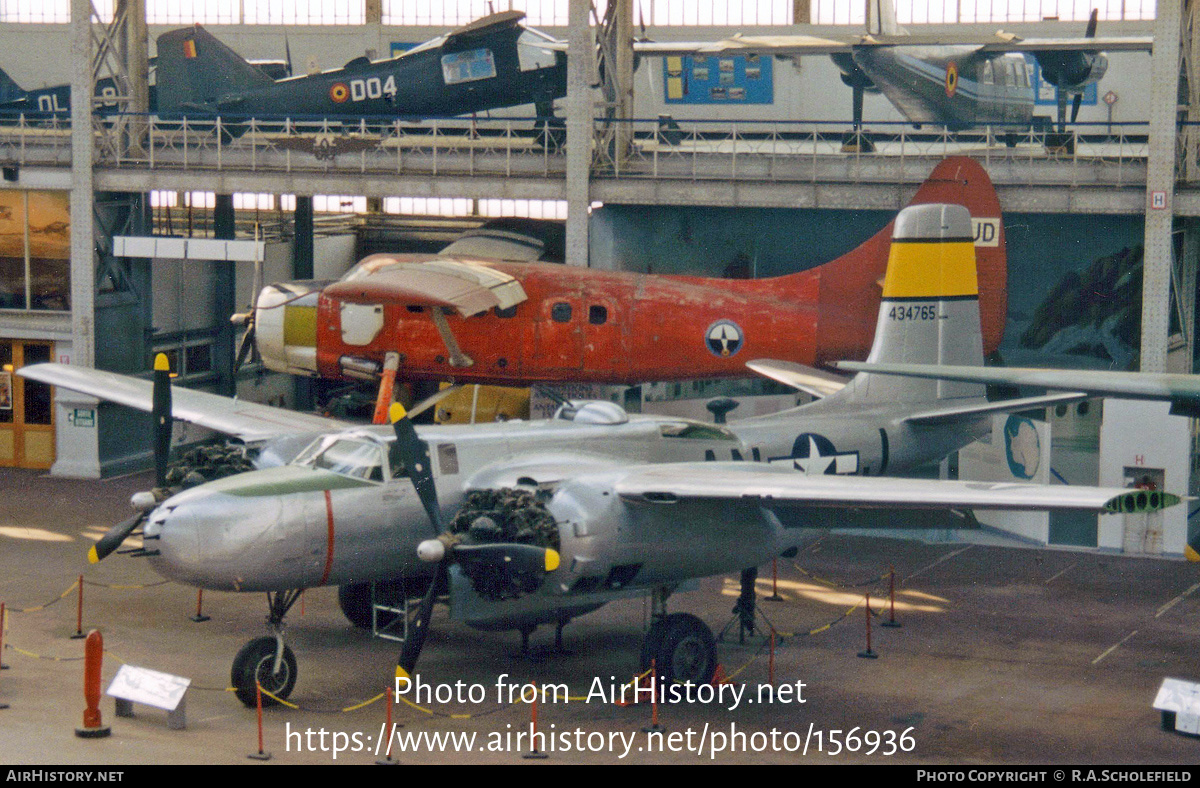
{"x": 1182, "y": 391}
{"x": 810, "y": 380}
{"x": 776, "y": 486}
{"x": 249, "y": 421}
{"x": 468, "y": 286}
{"x": 818, "y": 45}
{"x": 950, "y": 413}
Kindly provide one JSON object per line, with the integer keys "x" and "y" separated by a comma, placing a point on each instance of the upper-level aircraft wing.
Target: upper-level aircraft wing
{"x": 250, "y": 422}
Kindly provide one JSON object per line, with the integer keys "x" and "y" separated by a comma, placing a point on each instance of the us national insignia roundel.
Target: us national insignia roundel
{"x": 724, "y": 338}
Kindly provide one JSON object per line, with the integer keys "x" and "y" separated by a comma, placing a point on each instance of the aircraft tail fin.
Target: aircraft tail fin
{"x": 9, "y": 89}
{"x": 849, "y": 286}
{"x": 929, "y": 313}
{"x": 881, "y": 18}
{"x": 197, "y": 70}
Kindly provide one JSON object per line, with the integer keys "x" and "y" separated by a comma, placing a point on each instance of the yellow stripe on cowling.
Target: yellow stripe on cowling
{"x": 300, "y": 326}
{"x": 931, "y": 270}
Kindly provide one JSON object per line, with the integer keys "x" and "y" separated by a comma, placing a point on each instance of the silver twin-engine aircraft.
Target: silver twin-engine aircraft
{"x": 526, "y": 523}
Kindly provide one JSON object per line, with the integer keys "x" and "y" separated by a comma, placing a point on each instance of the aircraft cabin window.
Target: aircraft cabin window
{"x": 510, "y": 312}
{"x": 448, "y": 458}
{"x": 597, "y": 315}
{"x": 468, "y": 66}
{"x": 561, "y": 312}
{"x": 354, "y": 458}
{"x": 987, "y": 77}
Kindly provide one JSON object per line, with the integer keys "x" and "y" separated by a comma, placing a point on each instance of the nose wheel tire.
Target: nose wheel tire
{"x": 255, "y": 662}
{"x": 683, "y": 649}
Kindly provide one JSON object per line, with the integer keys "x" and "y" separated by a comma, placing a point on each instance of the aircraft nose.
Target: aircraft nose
{"x": 216, "y": 541}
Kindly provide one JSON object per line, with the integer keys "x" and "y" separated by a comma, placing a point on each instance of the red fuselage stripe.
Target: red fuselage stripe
{"x": 329, "y": 541}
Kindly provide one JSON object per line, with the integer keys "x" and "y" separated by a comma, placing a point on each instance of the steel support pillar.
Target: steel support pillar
{"x": 1160, "y": 186}
{"x": 579, "y": 130}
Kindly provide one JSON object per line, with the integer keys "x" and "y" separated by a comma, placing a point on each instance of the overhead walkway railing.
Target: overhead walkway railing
{"x": 660, "y": 148}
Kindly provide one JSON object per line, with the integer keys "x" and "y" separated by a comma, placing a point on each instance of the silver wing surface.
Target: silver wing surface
{"x": 249, "y": 421}
{"x": 1183, "y": 391}
{"x": 773, "y": 485}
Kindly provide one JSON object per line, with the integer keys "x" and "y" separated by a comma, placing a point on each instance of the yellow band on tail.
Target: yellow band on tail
{"x": 919, "y": 269}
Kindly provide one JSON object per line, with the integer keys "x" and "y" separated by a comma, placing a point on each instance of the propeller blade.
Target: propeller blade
{"x": 1091, "y": 27}
{"x": 414, "y": 640}
{"x": 161, "y": 413}
{"x": 246, "y": 345}
{"x": 1075, "y": 106}
{"x": 412, "y": 451}
{"x": 113, "y": 539}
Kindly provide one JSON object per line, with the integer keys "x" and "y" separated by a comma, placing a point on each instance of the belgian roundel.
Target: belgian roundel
{"x": 951, "y": 78}
{"x": 339, "y": 92}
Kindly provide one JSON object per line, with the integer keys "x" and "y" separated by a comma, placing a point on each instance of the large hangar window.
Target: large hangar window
{"x": 35, "y": 251}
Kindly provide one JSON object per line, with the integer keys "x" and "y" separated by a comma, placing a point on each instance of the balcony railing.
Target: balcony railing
{"x": 773, "y": 151}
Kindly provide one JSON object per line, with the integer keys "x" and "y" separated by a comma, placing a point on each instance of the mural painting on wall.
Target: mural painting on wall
{"x": 35, "y": 250}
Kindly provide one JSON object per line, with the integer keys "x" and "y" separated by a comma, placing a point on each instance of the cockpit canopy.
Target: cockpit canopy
{"x": 592, "y": 412}
{"x": 355, "y": 456}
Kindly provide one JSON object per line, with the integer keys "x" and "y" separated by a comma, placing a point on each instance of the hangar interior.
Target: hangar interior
{"x": 724, "y": 178}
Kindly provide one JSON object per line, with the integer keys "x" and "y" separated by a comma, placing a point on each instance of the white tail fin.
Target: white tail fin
{"x": 881, "y": 18}
{"x": 930, "y": 308}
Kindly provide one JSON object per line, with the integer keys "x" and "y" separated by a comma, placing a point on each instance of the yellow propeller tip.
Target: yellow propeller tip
{"x": 93, "y": 558}
{"x": 161, "y": 364}
{"x": 396, "y": 412}
{"x": 401, "y": 673}
{"x": 553, "y": 559}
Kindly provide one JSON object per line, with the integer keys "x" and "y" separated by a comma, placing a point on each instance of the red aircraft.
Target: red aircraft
{"x": 518, "y": 323}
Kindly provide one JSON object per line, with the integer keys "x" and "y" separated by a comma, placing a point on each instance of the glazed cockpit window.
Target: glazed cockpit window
{"x": 357, "y": 459}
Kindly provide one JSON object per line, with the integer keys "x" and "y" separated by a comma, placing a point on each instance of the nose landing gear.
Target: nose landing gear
{"x": 267, "y": 661}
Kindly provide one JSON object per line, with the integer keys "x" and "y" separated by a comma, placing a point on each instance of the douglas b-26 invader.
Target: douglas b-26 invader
{"x": 526, "y": 523}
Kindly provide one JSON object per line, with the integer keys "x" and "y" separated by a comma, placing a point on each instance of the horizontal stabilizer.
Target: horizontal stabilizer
{"x": 773, "y": 485}
{"x": 951, "y": 413}
{"x": 249, "y": 421}
{"x": 812, "y": 381}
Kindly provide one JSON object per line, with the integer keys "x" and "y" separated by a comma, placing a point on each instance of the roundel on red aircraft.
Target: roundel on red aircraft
{"x": 339, "y": 92}
{"x": 951, "y": 78}
{"x": 724, "y": 338}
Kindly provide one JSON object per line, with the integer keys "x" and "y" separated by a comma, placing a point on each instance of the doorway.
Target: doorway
{"x": 26, "y": 407}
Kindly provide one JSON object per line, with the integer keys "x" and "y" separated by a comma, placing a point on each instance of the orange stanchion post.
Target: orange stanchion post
{"x": 774, "y": 597}
{"x": 389, "y": 699}
{"x": 93, "y": 657}
{"x": 535, "y": 753}
{"x": 200, "y": 617}
{"x": 3, "y": 621}
{"x": 79, "y": 613}
{"x": 771, "y": 660}
{"x": 261, "y": 755}
{"x": 2, "y": 665}
{"x": 654, "y": 725}
{"x": 891, "y": 622}
{"x": 868, "y": 654}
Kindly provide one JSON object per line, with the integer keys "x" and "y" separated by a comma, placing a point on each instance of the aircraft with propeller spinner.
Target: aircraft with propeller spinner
{"x": 529, "y": 523}
{"x": 455, "y": 316}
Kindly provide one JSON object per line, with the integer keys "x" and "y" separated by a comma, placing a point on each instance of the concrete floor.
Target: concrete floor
{"x": 1005, "y": 656}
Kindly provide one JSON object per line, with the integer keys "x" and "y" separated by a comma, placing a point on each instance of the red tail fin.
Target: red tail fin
{"x": 850, "y": 285}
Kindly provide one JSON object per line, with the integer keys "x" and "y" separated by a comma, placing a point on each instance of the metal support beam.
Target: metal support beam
{"x": 579, "y": 130}
{"x": 224, "y": 299}
{"x": 83, "y": 263}
{"x": 1160, "y": 186}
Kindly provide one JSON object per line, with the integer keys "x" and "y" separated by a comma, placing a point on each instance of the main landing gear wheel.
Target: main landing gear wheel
{"x": 255, "y": 661}
{"x": 683, "y": 649}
